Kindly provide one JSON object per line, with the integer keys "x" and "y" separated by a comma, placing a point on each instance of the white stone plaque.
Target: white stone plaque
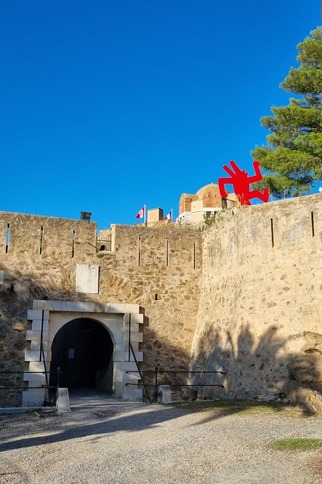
{"x": 87, "y": 278}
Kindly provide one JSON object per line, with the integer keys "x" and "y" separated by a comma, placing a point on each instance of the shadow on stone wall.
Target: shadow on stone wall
{"x": 170, "y": 359}
{"x": 257, "y": 367}
{"x": 253, "y": 366}
{"x": 16, "y": 295}
{"x": 304, "y": 385}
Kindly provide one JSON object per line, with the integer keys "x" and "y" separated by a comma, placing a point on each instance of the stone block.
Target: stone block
{"x": 62, "y": 402}
{"x": 118, "y": 389}
{"x": 118, "y": 338}
{"x": 35, "y": 335}
{"x": 118, "y": 356}
{"x": 155, "y": 215}
{"x": 129, "y": 365}
{"x": 137, "y": 318}
{"x": 131, "y": 377}
{"x": 72, "y": 306}
{"x": 138, "y": 356}
{"x": 33, "y": 355}
{"x": 135, "y": 338}
{"x": 37, "y": 304}
{"x": 35, "y": 345}
{"x": 37, "y": 324}
{"x": 134, "y": 328}
{"x": 126, "y": 356}
{"x": 34, "y": 314}
{"x": 123, "y": 308}
{"x": 134, "y": 318}
{"x": 38, "y": 366}
{"x": 86, "y": 307}
{"x": 132, "y": 394}
{"x": 33, "y": 398}
{"x": 164, "y": 394}
{"x": 40, "y": 378}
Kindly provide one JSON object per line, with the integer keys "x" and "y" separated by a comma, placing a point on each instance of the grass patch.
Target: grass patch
{"x": 296, "y": 444}
{"x": 230, "y": 407}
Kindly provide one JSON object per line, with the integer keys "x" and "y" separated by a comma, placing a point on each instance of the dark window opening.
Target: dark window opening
{"x": 41, "y": 241}
{"x": 272, "y": 232}
{"x": 73, "y": 243}
{"x": 7, "y": 238}
{"x": 312, "y": 224}
{"x": 168, "y": 254}
{"x": 139, "y": 251}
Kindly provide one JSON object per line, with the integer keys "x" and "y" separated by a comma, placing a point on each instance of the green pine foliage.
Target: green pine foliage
{"x": 292, "y": 158}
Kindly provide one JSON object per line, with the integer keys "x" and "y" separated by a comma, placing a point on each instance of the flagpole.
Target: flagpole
{"x": 171, "y": 214}
{"x": 145, "y": 217}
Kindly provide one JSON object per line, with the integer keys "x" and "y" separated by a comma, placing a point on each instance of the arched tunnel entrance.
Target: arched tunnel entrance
{"x": 83, "y": 349}
{"x": 89, "y": 342}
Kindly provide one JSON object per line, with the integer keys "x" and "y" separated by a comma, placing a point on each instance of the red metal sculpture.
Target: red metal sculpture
{"x": 241, "y": 182}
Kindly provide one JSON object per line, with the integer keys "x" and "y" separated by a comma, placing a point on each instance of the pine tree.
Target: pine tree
{"x": 293, "y": 155}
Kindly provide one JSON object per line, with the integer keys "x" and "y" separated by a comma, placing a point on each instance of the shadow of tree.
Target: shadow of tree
{"x": 17, "y": 295}
{"x": 250, "y": 366}
{"x": 126, "y": 418}
{"x": 260, "y": 367}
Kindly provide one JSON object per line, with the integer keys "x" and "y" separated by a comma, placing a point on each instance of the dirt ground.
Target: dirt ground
{"x": 110, "y": 441}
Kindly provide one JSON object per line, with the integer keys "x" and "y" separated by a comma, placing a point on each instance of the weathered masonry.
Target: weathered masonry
{"x": 260, "y": 308}
{"x": 242, "y": 296}
{"x": 75, "y": 300}
{"x": 115, "y": 363}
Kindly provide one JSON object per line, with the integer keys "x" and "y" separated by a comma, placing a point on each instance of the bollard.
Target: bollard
{"x": 164, "y": 394}
{"x": 62, "y": 402}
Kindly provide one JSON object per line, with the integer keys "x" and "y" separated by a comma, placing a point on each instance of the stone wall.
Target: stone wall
{"x": 260, "y": 309}
{"x": 38, "y": 256}
{"x": 156, "y": 267}
{"x": 242, "y": 297}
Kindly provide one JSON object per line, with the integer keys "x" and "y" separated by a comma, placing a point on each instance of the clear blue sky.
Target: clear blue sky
{"x": 109, "y": 105}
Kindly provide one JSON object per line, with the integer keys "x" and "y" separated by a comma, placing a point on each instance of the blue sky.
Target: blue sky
{"x": 110, "y": 105}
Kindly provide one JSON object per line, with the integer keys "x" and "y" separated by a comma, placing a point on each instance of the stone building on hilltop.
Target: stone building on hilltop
{"x": 204, "y": 204}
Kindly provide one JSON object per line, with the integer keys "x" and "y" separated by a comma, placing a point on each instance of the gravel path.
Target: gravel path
{"x": 110, "y": 441}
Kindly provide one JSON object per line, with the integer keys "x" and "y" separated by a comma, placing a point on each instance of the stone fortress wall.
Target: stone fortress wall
{"x": 243, "y": 296}
{"x": 157, "y": 268}
{"x": 260, "y": 307}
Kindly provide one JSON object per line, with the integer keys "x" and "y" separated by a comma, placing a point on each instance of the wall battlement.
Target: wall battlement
{"x": 287, "y": 221}
{"x": 261, "y": 298}
{"x": 244, "y": 295}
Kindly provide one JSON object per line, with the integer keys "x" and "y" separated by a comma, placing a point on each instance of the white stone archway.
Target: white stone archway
{"x": 46, "y": 318}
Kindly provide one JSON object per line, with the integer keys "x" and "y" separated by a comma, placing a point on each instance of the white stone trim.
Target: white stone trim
{"x": 86, "y": 307}
{"x": 48, "y": 317}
